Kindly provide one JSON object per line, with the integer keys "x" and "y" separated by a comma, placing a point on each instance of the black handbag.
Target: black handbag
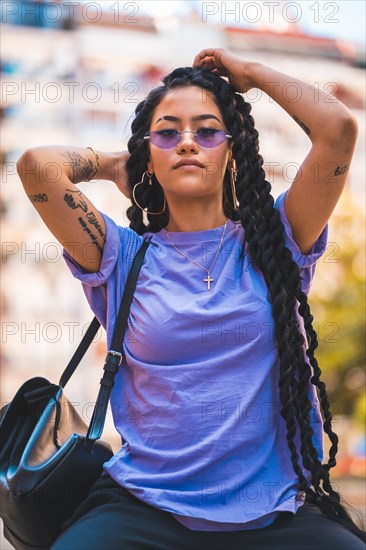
{"x": 49, "y": 457}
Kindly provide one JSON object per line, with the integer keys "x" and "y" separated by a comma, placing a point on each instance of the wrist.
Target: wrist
{"x": 108, "y": 165}
{"x": 96, "y": 167}
{"x": 257, "y": 74}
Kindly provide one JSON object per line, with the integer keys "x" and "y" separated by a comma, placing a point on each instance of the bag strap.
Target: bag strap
{"x": 80, "y": 352}
{"x": 95, "y": 324}
{"x": 114, "y": 355}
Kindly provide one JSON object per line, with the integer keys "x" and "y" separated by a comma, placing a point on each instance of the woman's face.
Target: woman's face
{"x": 192, "y": 108}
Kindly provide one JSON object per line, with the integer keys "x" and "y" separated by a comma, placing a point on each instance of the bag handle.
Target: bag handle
{"x": 114, "y": 355}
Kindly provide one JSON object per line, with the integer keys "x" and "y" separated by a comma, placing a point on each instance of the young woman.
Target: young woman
{"x": 216, "y": 398}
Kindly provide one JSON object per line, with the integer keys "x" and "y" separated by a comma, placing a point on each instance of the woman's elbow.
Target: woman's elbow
{"x": 26, "y": 166}
{"x": 346, "y": 132}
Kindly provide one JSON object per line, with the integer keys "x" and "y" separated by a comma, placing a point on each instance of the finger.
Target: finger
{"x": 204, "y": 61}
{"x": 208, "y": 64}
{"x": 207, "y": 52}
{"x": 211, "y": 65}
{"x": 200, "y": 56}
{"x": 204, "y": 53}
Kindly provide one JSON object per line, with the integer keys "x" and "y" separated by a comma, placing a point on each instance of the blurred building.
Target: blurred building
{"x": 75, "y": 77}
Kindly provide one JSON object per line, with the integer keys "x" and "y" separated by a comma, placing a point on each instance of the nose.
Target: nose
{"x": 187, "y": 141}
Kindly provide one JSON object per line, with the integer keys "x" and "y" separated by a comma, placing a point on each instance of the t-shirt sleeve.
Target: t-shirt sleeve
{"x": 306, "y": 262}
{"x": 104, "y": 288}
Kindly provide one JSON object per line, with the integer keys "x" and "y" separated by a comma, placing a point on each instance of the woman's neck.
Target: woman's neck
{"x": 194, "y": 215}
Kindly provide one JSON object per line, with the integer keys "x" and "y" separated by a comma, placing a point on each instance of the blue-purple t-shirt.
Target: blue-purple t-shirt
{"x": 196, "y": 398}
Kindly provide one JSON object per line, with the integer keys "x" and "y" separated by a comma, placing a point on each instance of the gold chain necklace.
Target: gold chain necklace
{"x": 208, "y": 279}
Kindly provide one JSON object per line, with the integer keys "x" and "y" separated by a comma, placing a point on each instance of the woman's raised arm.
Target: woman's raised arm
{"x": 49, "y": 175}
{"x": 332, "y": 130}
{"x": 330, "y": 126}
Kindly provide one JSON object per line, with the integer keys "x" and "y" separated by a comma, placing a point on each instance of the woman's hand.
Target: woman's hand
{"x": 224, "y": 63}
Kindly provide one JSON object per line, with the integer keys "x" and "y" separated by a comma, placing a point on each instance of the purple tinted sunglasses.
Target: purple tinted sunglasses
{"x": 205, "y": 137}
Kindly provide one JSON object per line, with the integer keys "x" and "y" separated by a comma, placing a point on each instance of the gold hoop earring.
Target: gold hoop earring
{"x": 233, "y": 176}
{"x": 150, "y": 183}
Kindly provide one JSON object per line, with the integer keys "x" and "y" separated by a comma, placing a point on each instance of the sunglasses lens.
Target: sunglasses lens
{"x": 165, "y": 139}
{"x": 210, "y": 137}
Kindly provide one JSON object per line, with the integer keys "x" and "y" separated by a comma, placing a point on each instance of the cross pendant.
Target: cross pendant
{"x": 208, "y": 281}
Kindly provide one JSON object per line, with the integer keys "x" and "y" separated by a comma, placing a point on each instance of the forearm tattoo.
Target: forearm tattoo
{"x": 75, "y": 200}
{"x": 341, "y": 170}
{"x": 302, "y": 125}
{"x": 82, "y": 169}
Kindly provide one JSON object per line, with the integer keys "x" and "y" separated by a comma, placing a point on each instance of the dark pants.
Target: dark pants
{"x": 111, "y": 518}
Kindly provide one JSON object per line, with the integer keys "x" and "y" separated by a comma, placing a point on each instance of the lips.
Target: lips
{"x": 188, "y": 162}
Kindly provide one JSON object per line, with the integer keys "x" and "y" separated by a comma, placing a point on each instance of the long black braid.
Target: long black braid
{"x": 265, "y": 244}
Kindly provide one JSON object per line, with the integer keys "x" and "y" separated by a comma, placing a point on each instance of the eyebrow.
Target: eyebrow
{"x": 176, "y": 119}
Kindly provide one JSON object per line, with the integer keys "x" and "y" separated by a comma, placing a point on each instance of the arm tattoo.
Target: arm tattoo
{"x": 302, "y": 125}
{"x": 93, "y": 220}
{"x": 75, "y": 201}
{"x": 39, "y": 197}
{"x": 92, "y": 236}
{"x": 341, "y": 170}
{"x": 81, "y": 169}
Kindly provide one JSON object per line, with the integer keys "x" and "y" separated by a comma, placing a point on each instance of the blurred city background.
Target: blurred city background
{"x": 72, "y": 74}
